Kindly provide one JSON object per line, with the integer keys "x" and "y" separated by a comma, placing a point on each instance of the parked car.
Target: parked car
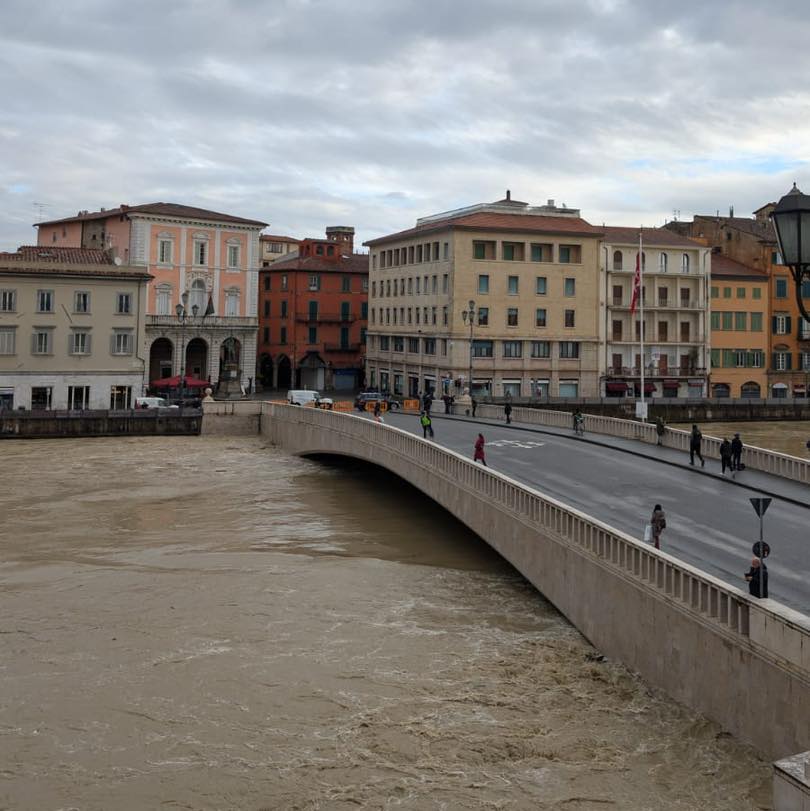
{"x": 153, "y": 402}
{"x": 372, "y": 396}
{"x": 306, "y": 396}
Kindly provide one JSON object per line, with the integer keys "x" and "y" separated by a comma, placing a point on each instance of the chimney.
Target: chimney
{"x": 550, "y": 204}
{"x": 508, "y": 194}
{"x": 343, "y": 235}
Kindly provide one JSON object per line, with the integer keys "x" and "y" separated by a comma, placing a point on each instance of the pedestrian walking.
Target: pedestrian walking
{"x": 475, "y": 405}
{"x": 660, "y": 428}
{"x": 427, "y": 425}
{"x": 695, "y": 440}
{"x": 507, "y": 410}
{"x": 578, "y": 419}
{"x": 725, "y": 456}
{"x": 658, "y": 522}
{"x": 377, "y": 411}
{"x": 447, "y": 401}
{"x": 757, "y": 577}
{"x": 478, "y": 456}
{"x": 736, "y": 453}
{"x": 427, "y": 402}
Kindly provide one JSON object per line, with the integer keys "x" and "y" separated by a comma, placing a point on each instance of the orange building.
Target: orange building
{"x": 313, "y": 315}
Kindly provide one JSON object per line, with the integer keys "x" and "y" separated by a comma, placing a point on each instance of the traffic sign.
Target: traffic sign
{"x": 761, "y": 549}
{"x": 761, "y": 505}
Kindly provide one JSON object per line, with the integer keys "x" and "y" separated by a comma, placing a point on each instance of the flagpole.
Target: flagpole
{"x": 641, "y": 317}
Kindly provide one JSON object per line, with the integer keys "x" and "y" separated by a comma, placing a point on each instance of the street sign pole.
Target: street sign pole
{"x": 761, "y": 549}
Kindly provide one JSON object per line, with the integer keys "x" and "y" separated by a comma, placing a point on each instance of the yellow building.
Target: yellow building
{"x": 740, "y": 297}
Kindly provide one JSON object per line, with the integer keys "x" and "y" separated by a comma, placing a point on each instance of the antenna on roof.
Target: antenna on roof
{"x": 40, "y": 209}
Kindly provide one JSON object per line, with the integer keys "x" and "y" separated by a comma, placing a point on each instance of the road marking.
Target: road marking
{"x": 514, "y": 443}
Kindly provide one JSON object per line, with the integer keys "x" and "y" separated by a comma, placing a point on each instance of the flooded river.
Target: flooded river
{"x": 785, "y": 436}
{"x": 211, "y": 624}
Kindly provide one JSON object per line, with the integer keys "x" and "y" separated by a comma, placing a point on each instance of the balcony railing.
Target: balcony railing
{"x": 209, "y": 321}
{"x": 653, "y": 371}
{"x": 649, "y": 339}
{"x": 325, "y": 318}
{"x": 661, "y": 303}
{"x": 342, "y": 347}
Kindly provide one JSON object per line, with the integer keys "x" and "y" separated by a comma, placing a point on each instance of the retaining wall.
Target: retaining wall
{"x": 238, "y": 418}
{"x": 134, "y": 422}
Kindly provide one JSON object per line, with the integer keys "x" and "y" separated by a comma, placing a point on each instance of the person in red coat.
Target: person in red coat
{"x": 478, "y": 456}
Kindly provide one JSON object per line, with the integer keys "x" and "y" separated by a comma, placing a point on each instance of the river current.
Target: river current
{"x": 206, "y": 623}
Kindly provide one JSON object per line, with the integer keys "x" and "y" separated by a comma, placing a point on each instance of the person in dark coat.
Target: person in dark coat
{"x": 474, "y": 405}
{"x": 757, "y": 577}
{"x": 736, "y": 452}
{"x": 695, "y": 440}
{"x": 427, "y": 402}
{"x": 478, "y": 455}
{"x": 447, "y": 399}
{"x": 507, "y": 410}
{"x": 659, "y": 430}
{"x": 658, "y": 522}
{"x": 725, "y": 456}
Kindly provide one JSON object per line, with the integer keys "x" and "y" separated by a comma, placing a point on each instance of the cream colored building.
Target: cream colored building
{"x": 676, "y": 314}
{"x": 273, "y": 247}
{"x": 71, "y": 330}
{"x": 533, "y": 275}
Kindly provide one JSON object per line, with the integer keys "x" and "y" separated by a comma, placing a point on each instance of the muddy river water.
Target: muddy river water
{"x": 212, "y": 624}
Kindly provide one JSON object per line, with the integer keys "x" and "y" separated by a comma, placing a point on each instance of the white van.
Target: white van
{"x": 152, "y": 402}
{"x": 307, "y": 396}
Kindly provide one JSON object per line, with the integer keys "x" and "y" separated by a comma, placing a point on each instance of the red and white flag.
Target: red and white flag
{"x": 636, "y": 284}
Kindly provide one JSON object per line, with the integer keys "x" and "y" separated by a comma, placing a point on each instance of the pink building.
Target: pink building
{"x": 202, "y": 315}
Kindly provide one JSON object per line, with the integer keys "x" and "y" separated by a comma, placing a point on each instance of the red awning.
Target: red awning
{"x": 189, "y": 382}
{"x": 615, "y": 385}
{"x": 671, "y": 384}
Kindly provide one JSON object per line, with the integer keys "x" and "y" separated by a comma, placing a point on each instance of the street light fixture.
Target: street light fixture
{"x": 182, "y": 314}
{"x": 791, "y": 219}
{"x": 468, "y": 316}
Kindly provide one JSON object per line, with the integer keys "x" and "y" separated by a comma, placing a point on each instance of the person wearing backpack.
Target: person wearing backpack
{"x": 658, "y": 522}
{"x": 427, "y": 425}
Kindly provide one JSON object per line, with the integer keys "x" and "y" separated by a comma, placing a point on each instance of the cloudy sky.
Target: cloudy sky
{"x": 308, "y": 113}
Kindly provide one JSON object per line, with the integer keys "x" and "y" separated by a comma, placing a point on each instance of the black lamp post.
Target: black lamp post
{"x": 791, "y": 219}
{"x": 182, "y": 315}
{"x": 468, "y": 316}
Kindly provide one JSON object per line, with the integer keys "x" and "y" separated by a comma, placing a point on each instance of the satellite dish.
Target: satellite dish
{"x": 117, "y": 261}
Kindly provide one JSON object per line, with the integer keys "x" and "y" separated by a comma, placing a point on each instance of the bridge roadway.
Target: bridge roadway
{"x": 710, "y": 521}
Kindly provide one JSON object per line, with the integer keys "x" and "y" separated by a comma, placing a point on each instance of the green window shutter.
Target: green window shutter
{"x": 729, "y": 359}
{"x": 715, "y": 358}
{"x": 788, "y": 360}
{"x": 787, "y": 325}
{"x": 715, "y": 320}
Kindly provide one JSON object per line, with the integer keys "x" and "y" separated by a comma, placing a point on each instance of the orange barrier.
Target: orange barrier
{"x": 411, "y": 405}
{"x": 342, "y": 405}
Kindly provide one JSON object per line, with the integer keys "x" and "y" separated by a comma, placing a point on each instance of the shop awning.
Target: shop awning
{"x": 780, "y": 385}
{"x": 615, "y": 385}
{"x": 799, "y": 388}
{"x": 671, "y": 384}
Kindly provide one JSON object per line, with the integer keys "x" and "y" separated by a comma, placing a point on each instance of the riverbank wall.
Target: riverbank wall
{"x": 237, "y": 418}
{"x": 130, "y": 422}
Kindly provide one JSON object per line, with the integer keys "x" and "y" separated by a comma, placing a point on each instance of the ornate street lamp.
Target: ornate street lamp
{"x": 182, "y": 315}
{"x": 791, "y": 219}
{"x": 468, "y": 316}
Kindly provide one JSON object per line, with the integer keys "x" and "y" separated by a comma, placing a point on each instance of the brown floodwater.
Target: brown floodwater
{"x": 207, "y": 623}
{"x": 785, "y": 436}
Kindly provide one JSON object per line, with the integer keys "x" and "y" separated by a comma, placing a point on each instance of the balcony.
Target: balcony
{"x": 650, "y": 339}
{"x": 200, "y": 322}
{"x": 345, "y": 348}
{"x": 325, "y": 318}
{"x": 651, "y": 371}
{"x": 660, "y": 304}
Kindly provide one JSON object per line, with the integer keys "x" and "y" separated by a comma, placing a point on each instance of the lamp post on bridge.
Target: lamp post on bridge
{"x": 791, "y": 220}
{"x": 468, "y": 316}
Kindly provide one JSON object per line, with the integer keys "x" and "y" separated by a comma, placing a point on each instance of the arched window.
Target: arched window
{"x": 643, "y": 260}
{"x": 721, "y": 390}
{"x": 617, "y": 260}
{"x": 197, "y": 297}
{"x": 662, "y": 262}
{"x": 685, "y": 263}
{"x": 750, "y": 389}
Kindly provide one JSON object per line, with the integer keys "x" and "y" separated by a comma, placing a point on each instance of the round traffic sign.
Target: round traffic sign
{"x": 761, "y": 553}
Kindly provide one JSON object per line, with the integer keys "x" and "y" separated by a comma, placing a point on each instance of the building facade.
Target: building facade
{"x": 314, "y": 314}
{"x": 740, "y": 302}
{"x": 273, "y": 247}
{"x": 71, "y": 330}
{"x": 531, "y": 274}
{"x": 676, "y": 311}
{"x": 204, "y": 260}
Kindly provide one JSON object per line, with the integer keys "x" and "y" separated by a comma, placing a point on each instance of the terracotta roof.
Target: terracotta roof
{"x": 276, "y": 238}
{"x": 44, "y": 253}
{"x": 160, "y": 209}
{"x": 16, "y": 267}
{"x": 487, "y": 221}
{"x": 655, "y": 237}
{"x": 356, "y": 263}
{"x": 723, "y": 266}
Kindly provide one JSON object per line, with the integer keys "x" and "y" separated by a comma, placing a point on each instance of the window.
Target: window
{"x": 385, "y": 343}
{"x": 512, "y": 251}
{"x": 617, "y": 260}
{"x": 165, "y": 251}
{"x": 267, "y": 308}
{"x": 284, "y": 309}
{"x": 715, "y": 320}
{"x": 284, "y": 281}
{"x": 433, "y": 315}
{"x": 540, "y": 285}
{"x": 541, "y": 349}
{"x": 282, "y": 339}
{"x": 781, "y": 324}
{"x": 570, "y": 287}
{"x": 570, "y": 254}
{"x": 726, "y": 292}
{"x": 445, "y": 283}
{"x": 41, "y": 396}
{"x": 728, "y": 320}
{"x": 8, "y": 301}
{"x": 512, "y": 317}
{"x": 123, "y": 303}
{"x": 569, "y": 388}
{"x": 42, "y": 342}
{"x": 483, "y": 284}
{"x": 314, "y": 282}
{"x": 410, "y": 254}
{"x": 781, "y": 288}
{"x": 685, "y": 263}
{"x": 364, "y": 311}
{"x": 482, "y": 349}
{"x": 569, "y": 318}
{"x": 740, "y": 292}
{"x": 446, "y": 250}
{"x": 418, "y": 282}
{"x": 715, "y": 291}
{"x": 542, "y": 252}
{"x": 345, "y": 310}
{"x": 312, "y": 335}
{"x": 78, "y": 398}
{"x": 163, "y": 300}
{"x": 79, "y": 342}
{"x": 8, "y": 343}
{"x": 200, "y": 251}
{"x": 266, "y": 333}
{"x": 233, "y": 256}
{"x": 512, "y": 285}
{"x": 781, "y": 361}
{"x": 513, "y": 349}
{"x": 430, "y": 346}
{"x": 346, "y": 284}
{"x": 122, "y": 342}
{"x": 483, "y": 249}
{"x": 120, "y": 397}
{"x": 435, "y": 250}
{"x": 197, "y": 297}
{"x": 434, "y": 284}
{"x": 740, "y": 321}
{"x": 231, "y": 303}
{"x": 756, "y": 322}
{"x": 364, "y": 284}
{"x": 483, "y": 316}
{"x": 81, "y": 301}
{"x": 756, "y": 292}
{"x": 413, "y": 346}
{"x": 569, "y": 349}
{"x": 363, "y": 333}
{"x": 662, "y": 263}
{"x": 399, "y": 343}
{"x": 444, "y": 316}
{"x": 540, "y": 317}
{"x": 275, "y": 247}
{"x": 715, "y": 359}
{"x": 44, "y": 301}
{"x": 740, "y": 358}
